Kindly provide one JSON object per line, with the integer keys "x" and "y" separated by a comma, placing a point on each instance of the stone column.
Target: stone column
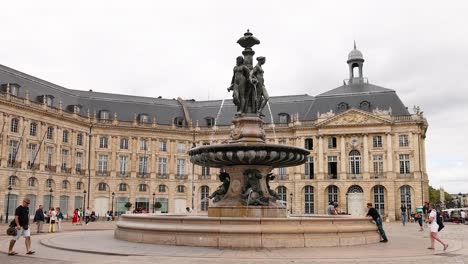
{"x": 390, "y": 170}
{"x": 366, "y": 172}
{"x": 342, "y": 173}
{"x": 320, "y": 161}
{"x": 113, "y": 146}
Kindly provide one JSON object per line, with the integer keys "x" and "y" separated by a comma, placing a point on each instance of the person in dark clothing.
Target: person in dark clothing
{"x": 425, "y": 213}
{"x": 39, "y": 219}
{"x": 22, "y": 225}
{"x": 378, "y": 221}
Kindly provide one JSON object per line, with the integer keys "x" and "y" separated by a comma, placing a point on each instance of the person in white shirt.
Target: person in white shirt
{"x": 53, "y": 220}
{"x": 463, "y": 216}
{"x": 434, "y": 234}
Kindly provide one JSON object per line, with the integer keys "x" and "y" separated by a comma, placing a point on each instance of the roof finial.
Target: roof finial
{"x": 354, "y": 44}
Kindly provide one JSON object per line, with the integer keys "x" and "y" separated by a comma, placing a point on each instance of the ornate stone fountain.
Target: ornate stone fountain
{"x": 245, "y": 212}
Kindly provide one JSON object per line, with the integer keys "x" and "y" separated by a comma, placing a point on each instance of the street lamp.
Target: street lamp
{"x": 84, "y": 204}
{"x": 347, "y": 207}
{"x": 154, "y": 194}
{"x": 112, "y": 208}
{"x": 291, "y": 195}
{"x": 8, "y": 203}
{"x": 50, "y": 198}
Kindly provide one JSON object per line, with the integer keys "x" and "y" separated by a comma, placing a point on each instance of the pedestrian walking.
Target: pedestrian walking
{"x": 39, "y": 218}
{"x": 403, "y": 214}
{"x": 434, "y": 227}
{"x": 21, "y": 222}
{"x": 87, "y": 215}
{"x": 378, "y": 221}
{"x": 418, "y": 217}
{"x": 75, "y": 218}
{"x": 463, "y": 216}
{"x": 425, "y": 213}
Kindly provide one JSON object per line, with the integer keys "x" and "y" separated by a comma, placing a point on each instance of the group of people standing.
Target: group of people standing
{"x": 53, "y": 217}
{"x": 333, "y": 208}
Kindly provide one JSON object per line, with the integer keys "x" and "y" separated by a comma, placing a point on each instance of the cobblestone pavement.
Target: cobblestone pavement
{"x": 406, "y": 245}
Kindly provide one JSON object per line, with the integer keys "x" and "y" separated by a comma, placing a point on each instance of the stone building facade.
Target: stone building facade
{"x": 75, "y": 149}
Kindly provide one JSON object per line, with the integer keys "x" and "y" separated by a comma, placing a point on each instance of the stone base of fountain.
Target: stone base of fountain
{"x": 248, "y": 232}
{"x": 247, "y": 211}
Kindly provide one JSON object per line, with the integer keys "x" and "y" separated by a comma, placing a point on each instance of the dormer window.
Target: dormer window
{"x": 342, "y": 107}
{"x": 210, "y": 121}
{"x": 143, "y": 118}
{"x": 283, "y": 118}
{"x": 76, "y": 109}
{"x": 13, "y": 88}
{"x": 104, "y": 115}
{"x": 179, "y": 121}
{"x": 364, "y": 105}
{"x": 46, "y": 99}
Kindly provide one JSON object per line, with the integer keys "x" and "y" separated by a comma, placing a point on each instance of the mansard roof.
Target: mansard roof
{"x": 165, "y": 110}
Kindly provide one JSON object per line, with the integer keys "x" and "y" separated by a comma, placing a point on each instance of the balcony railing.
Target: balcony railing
{"x": 307, "y": 177}
{"x": 14, "y": 164}
{"x": 204, "y": 177}
{"x": 102, "y": 173}
{"x": 50, "y": 168}
{"x": 354, "y": 176}
{"x": 283, "y": 177}
{"x": 404, "y": 175}
{"x": 378, "y": 176}
{"x": 80, "y": 171}
{"x": 162, "y": 176}
{"x": 181, "y": 176}
{"x": 143, "y": 174}
{"x": 65, "y": 169}
{"x": 123, "y": 174}
{"x": 333, "y": 176}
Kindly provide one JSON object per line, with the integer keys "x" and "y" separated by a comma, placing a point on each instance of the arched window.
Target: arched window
{"x": 180, "y": 188}
{"x": 13, "y": 180}
{"x": 205, "y": 192}
{"x": 122, "y": 187}
{"x": 162, "y": 188}
{"x": 364, "y": 105}
{"x": 354, "y": 164}
{"x": 79, "y": 185}
{"x": 379, "y": 199}
{"x": 332, "y": 194}
{"x": 14, "y": 125}
{"x": 65, "y": 184}
{"x": 355, "y": 189}
{"x": 405, "y": 197}
{"x": 102, "y": 186}
{"x": 308, "y": 199}
{"x": 342, "y": 107}
{"x": 33, "y": 129}
{"x": 49, "y": 183}
{"x": 32, "y": 182}
{"x": 142, "y": 187}
{"x": 282, "y": 194}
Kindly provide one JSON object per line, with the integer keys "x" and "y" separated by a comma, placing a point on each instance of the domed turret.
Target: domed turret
{"x": 355, "y": 59}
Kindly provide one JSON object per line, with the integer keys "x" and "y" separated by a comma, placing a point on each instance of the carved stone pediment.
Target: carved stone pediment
{"x": 354, "y": 117}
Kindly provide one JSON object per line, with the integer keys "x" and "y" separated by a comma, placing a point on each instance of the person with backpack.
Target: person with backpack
{"x": 434, "y": 219}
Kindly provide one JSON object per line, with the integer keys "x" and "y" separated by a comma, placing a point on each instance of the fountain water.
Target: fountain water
{"x": 272, "y": 121}
{"x": 245, "y": 211}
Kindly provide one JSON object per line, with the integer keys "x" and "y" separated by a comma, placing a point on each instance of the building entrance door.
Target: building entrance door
{"x": 101, "y": 206}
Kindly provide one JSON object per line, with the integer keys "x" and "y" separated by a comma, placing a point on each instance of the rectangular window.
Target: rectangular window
{"x": 124, "y": 143}
{"x": 123, "y": 165}
{"x": 404, "y": 164}
{"x": 50, "y": 133}
{"x": 79, "y": 139}
{"x": 309, "y": 144}
{"x": 12, "y": 152}
{"x": 378, "y": 166}
{"x": 181, "y": 147}
{"x": 332, "y": 167}
{"x": 180, "y": 167}
{"x": 404, "y": 141}
{"x": 377, "y": 141}
{"x": 49, "y": 157}
{"x": 163, "y": 146}
{"x": 282, "y": 172}
{"x": 143, "y": 144}
{"x": 33, "y": 129}
{"x": 309, "y": 168}
{"x": 65, "y": 136}
{"x": 78, "y": 161}
{"x": 332, "y": 142}
{"x": 102, "y": 165}
{"x": 205, "y": 171}
{"x": 64, "y": 165}
{"x": 32, "y": 150}
{"x": 162, "y": 166}
{"x": 143, "y": 166}
{"x": 103, "y": 142}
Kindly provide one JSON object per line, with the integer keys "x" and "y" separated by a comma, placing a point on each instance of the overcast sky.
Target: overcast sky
{"x": 188, "y": 49}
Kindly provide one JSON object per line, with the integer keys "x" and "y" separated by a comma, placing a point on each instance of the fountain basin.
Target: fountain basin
{"x": 248, "y": 232}
{"x": 224, "y": 155}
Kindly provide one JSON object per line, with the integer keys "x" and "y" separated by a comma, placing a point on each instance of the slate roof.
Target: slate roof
{"x": 165, "y": 110}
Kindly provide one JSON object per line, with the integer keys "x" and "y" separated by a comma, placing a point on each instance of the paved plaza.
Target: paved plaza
{"x": 94, "y": 243}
